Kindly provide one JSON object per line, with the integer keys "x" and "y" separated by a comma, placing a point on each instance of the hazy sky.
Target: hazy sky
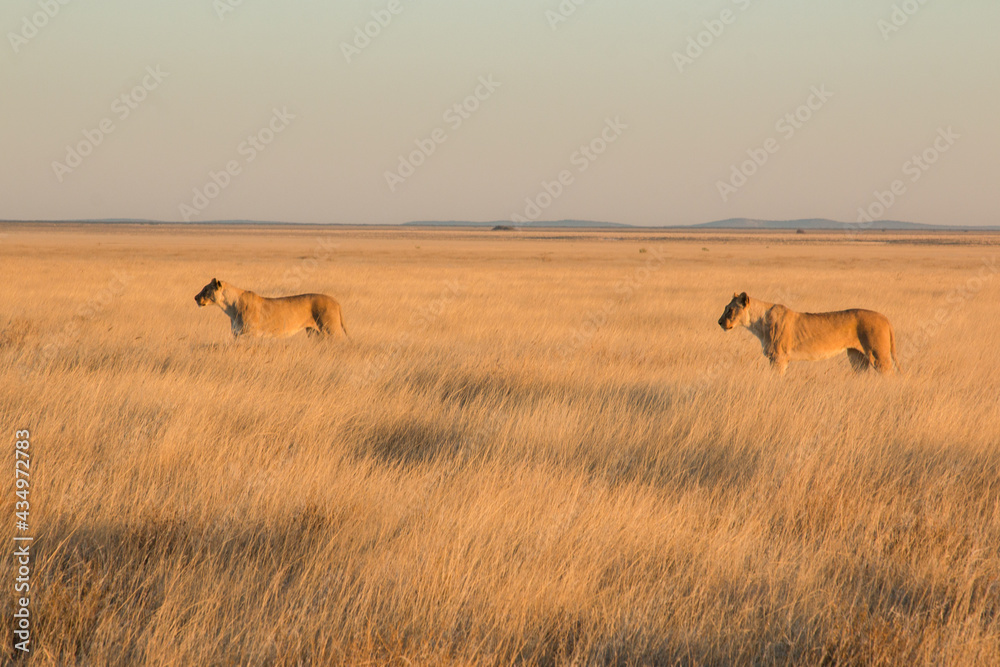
{"x": 664, "y": 120}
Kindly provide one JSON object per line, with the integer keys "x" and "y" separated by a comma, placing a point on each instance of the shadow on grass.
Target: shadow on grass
{"x": 407, "y": 440}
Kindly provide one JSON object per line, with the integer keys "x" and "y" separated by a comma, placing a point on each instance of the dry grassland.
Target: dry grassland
{"x": 537, "y": 448}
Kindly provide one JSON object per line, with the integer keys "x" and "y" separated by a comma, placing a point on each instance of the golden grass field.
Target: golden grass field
{"x": 538, "y": 447}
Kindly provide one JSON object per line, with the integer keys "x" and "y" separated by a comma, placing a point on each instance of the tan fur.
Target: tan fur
{"x": 786, "y": 335}
{"x": 261, "y": 317}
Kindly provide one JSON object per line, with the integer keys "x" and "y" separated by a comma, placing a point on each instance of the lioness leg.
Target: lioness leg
{"x": 328, "y": 323}
{"x": 859, "y": 361}
{"x": 779, "y": 364}
{"x": 883, "y": 361}
{"x": 880, "y": 350}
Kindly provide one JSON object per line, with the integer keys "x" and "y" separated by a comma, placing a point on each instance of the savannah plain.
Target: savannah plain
{"x": 537, "y": 447}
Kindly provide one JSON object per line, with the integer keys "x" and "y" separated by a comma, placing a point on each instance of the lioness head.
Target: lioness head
{"x": 207, "y": 293}
{"x": 735, "y": 313}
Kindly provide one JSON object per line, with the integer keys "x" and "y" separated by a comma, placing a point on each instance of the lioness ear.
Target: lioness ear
{"x": 215, "y": 282}
{"x": 744, "y": 299}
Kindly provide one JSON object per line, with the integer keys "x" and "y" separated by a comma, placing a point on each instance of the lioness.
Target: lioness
{"x": 787, "y": 336}
{"x": 253, "y": 315}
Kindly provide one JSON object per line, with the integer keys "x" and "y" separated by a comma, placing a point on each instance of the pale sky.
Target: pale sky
{"x": 199, "y": 81}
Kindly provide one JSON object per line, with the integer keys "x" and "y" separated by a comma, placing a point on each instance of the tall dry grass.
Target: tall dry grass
{"x": 537, "y": 448}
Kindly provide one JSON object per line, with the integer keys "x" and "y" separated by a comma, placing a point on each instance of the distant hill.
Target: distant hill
{"x": 143, "y": 221}
{"x": 508, "y": 223}
{"x": 731, "y": 223}
{"x": 812, "y": 223}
